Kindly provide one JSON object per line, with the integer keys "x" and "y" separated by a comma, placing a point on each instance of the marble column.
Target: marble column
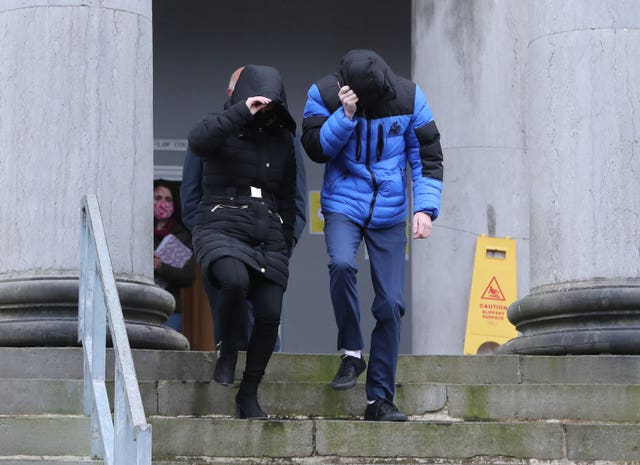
{"x": 469, "y": 58}
{"x": 583, "y": 139}
{"x": 76, "y": 118}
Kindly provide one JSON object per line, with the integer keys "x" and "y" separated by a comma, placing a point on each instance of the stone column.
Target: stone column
{"x": 469, "y": 58}
{"x": 583, "y": 139}
{"x": 76, "y": 118}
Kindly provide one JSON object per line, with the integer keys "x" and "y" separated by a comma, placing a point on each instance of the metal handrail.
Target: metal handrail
{"x": 127, "y": 439}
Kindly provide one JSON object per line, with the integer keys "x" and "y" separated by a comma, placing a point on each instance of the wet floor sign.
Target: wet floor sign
{"x": 493, "y": 289}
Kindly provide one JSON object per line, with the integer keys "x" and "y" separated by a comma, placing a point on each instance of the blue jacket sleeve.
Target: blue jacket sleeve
{"x": 191, "y": 188}
{"x": 324, "y": 134}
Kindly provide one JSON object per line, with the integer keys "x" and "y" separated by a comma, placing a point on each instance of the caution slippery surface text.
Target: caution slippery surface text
{"x": 493, "y": 289}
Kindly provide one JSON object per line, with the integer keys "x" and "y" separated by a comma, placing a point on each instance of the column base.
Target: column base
{"x": 43, "y": 311}
{"x": 588, "y": 319}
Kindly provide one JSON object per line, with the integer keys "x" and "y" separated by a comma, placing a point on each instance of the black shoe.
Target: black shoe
{"x": 225, "y": 370}
{"x": 383, "y": 410}
{"x": 347, "y": 375}
{"x": 247, "y": 404}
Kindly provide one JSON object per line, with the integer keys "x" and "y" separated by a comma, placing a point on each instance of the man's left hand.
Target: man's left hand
{"x": 421, "y": 225}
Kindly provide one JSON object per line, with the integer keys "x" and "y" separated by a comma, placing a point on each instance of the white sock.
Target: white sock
{"x": 353, "y": 353}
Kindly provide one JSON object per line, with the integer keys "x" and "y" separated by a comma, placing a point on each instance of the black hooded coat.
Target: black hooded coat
{"x": 242, "y": 151}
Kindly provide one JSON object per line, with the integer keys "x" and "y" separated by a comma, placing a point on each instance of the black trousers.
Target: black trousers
{"x": 237, "y": 283}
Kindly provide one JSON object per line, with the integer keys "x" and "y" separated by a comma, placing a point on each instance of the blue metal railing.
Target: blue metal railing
{"x": 125, "y": 440}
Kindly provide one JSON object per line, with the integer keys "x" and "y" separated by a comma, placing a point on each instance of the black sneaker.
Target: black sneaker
{"x": 225, "y": 370}
{"x": 347, "y": 375}
{"x": 383, "y": 410}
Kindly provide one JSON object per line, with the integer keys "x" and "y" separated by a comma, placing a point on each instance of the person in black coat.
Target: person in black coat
{"x": 190, "y": 195}
{"x": 243, "y": 232}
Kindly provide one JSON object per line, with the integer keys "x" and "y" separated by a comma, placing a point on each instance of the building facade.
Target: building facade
{"x": 536, "y": 103}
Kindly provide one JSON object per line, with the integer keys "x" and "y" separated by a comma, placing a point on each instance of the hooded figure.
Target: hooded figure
{"x": 373, "y": 130}
{"x": 366, "y": 158}
{"x": 267, "y": 82}
{"x": 241, "y": 151}
{"x": 243, "y": 230}
{"x": 368, "y": 75}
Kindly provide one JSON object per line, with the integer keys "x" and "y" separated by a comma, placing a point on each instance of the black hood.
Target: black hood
{"x": 368, "y": 75}
{"x": 266, "y": 81}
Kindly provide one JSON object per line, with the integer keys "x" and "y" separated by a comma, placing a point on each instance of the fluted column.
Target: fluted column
{"x": 75, "y": 118}
{"x": 583, "y": 139}
{"x": 469, "y": 58}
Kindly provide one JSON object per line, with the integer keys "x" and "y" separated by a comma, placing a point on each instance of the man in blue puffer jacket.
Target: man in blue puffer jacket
{"x": 373, "y": 130}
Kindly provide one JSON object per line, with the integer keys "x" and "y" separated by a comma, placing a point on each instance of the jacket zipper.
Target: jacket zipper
{"x": 358, "y": 144}
{"x": 222, "y": 205}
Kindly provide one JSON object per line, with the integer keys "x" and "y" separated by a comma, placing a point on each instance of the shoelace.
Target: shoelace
{"x": 387, "y": 407}
{"x": 346, "y": 366}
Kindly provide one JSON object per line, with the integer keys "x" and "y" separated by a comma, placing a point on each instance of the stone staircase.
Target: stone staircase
{"x": 463, "y": 409}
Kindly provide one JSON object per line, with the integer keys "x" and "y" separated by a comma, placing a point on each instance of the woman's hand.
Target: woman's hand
{"x": 257, "y": 103}
{"x": 156, "y": 262}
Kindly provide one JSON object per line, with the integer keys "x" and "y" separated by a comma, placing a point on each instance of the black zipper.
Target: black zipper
{"x": 358, "y": 148}
{"x": 380, "y": 145}
{"x": 368, "y": 160}
{"x": 373, "y": 176}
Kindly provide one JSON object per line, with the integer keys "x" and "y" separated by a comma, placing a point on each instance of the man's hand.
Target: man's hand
{"x": 257, "y": 103}
{"x": 349, "y": 100}
{"x": 421, "y": 225}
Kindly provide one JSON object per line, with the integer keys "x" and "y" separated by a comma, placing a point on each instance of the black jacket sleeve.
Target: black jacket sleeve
{"x": 286, "y": 198}
{"x": 212, "y": 130}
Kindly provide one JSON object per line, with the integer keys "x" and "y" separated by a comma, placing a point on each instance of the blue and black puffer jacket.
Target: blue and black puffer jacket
{"x": 367, "y": 158}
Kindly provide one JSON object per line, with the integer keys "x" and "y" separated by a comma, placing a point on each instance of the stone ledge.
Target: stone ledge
{"x": 152, "y": 365}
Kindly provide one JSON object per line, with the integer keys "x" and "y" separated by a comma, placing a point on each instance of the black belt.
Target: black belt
{"x": 233, "y": 191}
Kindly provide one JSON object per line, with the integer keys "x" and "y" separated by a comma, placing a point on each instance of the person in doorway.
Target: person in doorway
{"x": 166, "y": 273}
{"x": 191, "y": 192}
{"x": 372, "y": 129}
{"x": 243, "y": 230}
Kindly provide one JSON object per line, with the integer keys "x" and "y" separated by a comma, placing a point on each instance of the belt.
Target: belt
{"x": 234, "y": 191}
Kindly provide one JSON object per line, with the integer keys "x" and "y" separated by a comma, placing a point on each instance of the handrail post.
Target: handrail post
{"x": 129, "y": 441}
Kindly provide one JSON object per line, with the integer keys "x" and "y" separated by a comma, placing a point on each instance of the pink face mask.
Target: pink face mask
{"x": 162, "y": 209}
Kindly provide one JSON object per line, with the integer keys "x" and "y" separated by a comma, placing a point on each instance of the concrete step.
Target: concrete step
{"x": 513, "y": 410}
{"x": 151, "y": 365}
{"x": 316, "y": 441}
{"x": 595, "y": 402}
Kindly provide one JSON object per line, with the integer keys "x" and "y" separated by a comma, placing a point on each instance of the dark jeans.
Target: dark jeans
{"x": 387, "y": 249}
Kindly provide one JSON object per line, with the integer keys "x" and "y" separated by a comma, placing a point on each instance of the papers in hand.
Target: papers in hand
{"x": 173, "y": 252}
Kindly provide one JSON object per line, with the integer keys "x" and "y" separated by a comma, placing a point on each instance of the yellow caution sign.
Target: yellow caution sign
{"x": 316, "y": 218}
{"x": 493, "y": 289}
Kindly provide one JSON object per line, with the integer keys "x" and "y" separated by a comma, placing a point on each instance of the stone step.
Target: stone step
{"x": 66, "y": 363}
{"x": 594, "y": 402}
{"x": 297, "y": 440}
{"x": 518, "y": 410}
